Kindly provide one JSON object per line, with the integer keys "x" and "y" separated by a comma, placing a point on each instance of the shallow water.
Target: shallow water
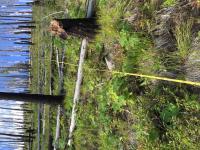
{"x": 14, "y": 77}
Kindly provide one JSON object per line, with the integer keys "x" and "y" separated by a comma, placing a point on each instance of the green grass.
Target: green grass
{"x": 184, "y": 38}
{"x": 116, "y": 111}
{"x": 168, "y": 3}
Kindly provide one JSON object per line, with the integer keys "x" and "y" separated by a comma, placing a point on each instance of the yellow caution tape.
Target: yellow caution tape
{"x": 138, "y": 75}
{"x": 158, "y": 78}
{"x": 144, "y": 76}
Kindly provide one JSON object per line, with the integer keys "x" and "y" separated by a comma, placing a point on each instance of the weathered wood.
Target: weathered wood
{"x": 39, "y": 126}
{"x": 110, "y": 63}
{"x": 90, "y": 10}
{"x": 77, "y": 89}
{"x": 43, "y": 120}
{"x": 57, "y": 127}
{"x": 60, "y": 73}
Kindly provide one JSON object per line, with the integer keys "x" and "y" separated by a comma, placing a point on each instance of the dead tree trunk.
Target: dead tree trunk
{"x": 79, "y": 76}
{"x": 77, "y": 90}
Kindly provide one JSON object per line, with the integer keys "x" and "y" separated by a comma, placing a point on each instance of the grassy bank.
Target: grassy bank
{"x": 119, "y": 111}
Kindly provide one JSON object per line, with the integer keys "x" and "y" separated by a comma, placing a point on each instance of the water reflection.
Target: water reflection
{"x": 15, "y": 38}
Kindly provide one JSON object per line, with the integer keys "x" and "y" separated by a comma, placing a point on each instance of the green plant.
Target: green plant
{"x": 168, "y": 3}
{"x": 199, "y": 34}
{"x": 169, "y": 112}
{"x": 117, "y": 111}
{"x": 134, "y": 46}
{"x": 183, "y": 37}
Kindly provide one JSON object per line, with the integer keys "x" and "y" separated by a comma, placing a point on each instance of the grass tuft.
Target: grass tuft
{"x": 183, "y": 36}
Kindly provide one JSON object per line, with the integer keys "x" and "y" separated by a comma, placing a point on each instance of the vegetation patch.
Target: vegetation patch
{"x": 118, "y": 111}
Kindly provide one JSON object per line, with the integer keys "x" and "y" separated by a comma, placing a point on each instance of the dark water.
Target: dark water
{"x": 15, "y": 15}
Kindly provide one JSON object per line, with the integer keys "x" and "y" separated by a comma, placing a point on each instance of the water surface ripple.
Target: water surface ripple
{"x": 15, "y": 38}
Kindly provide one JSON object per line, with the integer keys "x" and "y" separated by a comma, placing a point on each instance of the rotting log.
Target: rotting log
{"x": 35, "y": 98}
